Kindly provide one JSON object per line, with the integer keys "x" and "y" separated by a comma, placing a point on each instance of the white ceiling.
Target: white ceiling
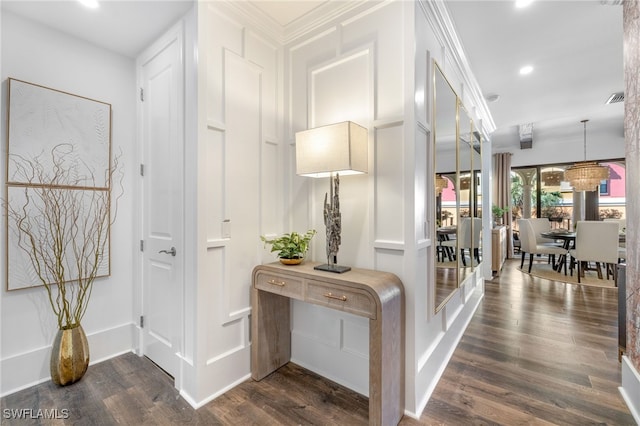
{"x": 123, "y": 26}
{"x": 575, "y": 47}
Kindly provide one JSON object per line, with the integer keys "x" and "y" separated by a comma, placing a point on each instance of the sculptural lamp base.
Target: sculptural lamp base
{"x": 333, "y": 268}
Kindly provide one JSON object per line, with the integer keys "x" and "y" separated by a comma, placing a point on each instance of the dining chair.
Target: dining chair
{"x": 622, "y": 228}
{"x": 595, "y": 242}
{"x": 622, "y": 223}
{"x": 540, "y": 225}
{"x": 529, "y": 244}
{"x": 467, "y": 238}
{"x": 446, "y": 247}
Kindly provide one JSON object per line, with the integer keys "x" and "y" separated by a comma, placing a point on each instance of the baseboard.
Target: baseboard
{"x": 32, "y": 367}
{"x": 630, "y": 388}
{"x": 197, "y": 404}
{"x": 431, "y": 369}
{"x": 202, "y": 383}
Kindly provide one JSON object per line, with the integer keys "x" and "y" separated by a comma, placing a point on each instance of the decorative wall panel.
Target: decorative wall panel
{"x": 270, "y": 181}
{"x": 320, "y": 335}
{"x": 222, "y": 33}
{"x": 260, "y": 51}
{"x": 342, "y": 90}
{"x": 241, "y": 145}
{"x": 213, "y": 175}
{"x": 373, "y": 27}
{"x": 423, "y": 162}
{"x": 303, "y": 57}
{"x": 389, "y": 185}
{"x": 242, "y": 183}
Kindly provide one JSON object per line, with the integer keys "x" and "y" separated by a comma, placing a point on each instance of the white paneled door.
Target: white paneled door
{"x": 162, "y": 188}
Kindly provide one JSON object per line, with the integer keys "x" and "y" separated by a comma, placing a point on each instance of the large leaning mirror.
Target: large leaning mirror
{"x": 458, "y": 190}
{"x": 444, "y": 131}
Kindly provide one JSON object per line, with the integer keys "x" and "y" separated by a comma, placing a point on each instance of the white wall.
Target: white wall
{"x": 234, "y": 163}
{"x": 550, "y": 147}
{"x": 39, "y": 55}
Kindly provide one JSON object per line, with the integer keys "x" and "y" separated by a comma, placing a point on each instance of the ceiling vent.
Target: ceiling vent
{"x": 526, "y": 135}
{"x": 615, "y": 98}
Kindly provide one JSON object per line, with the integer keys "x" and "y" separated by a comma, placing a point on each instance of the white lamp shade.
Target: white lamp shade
{"x": 337, "y": 148}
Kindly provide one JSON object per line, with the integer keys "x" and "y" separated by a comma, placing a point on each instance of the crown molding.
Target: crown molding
{"x": 320, "y": 16}
{"x": 438, "y": 15}
{"x": 254, "y": 17}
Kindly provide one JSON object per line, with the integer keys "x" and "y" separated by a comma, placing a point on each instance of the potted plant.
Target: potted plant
{"x": 498, "y": 213}
{"x": 61, "y": 225}
{"x": 291, "y": 248}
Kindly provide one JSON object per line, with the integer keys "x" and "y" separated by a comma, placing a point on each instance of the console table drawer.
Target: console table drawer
{"x": 280, "y": 284}
{"x": 342, "y": 298}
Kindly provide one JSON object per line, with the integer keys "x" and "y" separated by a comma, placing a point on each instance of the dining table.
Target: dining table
{"x": 568, "y": 239}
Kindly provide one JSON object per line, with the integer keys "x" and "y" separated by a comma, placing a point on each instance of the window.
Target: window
{"x": 604, "y": 187}
{"x": 540, "y": 191}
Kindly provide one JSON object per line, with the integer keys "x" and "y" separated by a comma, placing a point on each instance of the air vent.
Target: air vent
{"x": 615, "y": 98}
{"x": 526, "y": 135}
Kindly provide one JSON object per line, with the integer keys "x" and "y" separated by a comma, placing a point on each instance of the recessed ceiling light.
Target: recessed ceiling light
{"x": 523, "y": 3}
{"x": 91, "y": 4}
{"x": 527, "y": 69}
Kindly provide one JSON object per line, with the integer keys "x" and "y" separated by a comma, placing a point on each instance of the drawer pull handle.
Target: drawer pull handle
{"x": 278, "y": 283}
{"x": 332, "y": 296}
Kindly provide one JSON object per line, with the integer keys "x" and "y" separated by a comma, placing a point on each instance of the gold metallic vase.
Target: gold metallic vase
{"x": 69, "y": 356}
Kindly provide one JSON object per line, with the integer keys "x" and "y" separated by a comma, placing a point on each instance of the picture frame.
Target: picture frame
{"x": 57, "y": 143}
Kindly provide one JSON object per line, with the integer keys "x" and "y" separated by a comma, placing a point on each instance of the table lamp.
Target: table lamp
{"x": 331, "y": 151}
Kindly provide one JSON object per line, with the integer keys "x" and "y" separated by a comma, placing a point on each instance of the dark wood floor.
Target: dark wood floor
{"x": 536, "y": 352}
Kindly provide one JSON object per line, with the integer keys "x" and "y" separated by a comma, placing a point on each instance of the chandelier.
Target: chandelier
{"x": 552, "y": 177}
{"x": 465, "y": 182}
{"x": 441, "y": 183}
{"x": 586, "y": 175}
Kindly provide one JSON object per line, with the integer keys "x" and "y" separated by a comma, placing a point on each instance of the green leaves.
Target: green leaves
{"x": 292, "y": 245}
{"x": 498, "y": 211}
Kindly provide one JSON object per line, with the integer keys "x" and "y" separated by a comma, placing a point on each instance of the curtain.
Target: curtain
{"x": 502, "y": 192}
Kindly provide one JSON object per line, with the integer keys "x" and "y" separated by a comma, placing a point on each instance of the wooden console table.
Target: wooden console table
{"x": 373, "y": 294}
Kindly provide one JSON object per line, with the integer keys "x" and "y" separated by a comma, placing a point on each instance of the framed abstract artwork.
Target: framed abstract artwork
{"x": 58, "y": 185}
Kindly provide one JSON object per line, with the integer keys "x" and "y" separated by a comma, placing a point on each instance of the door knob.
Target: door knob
{"x": 171, "y": 251}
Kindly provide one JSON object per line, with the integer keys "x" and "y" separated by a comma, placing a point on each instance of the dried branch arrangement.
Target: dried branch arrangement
{"x": 62, "y": 224}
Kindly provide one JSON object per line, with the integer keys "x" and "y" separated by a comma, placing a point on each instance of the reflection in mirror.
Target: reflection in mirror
{"x": 444, "y": 131}
{"x": 465, "y": 229}
{"x": 476, "y": 210}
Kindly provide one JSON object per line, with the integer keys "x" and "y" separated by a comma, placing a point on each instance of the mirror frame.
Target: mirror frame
{"x": 475, "y": 175}
{"x": 464, "y": 169}
{"x": 446, "y": 285}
